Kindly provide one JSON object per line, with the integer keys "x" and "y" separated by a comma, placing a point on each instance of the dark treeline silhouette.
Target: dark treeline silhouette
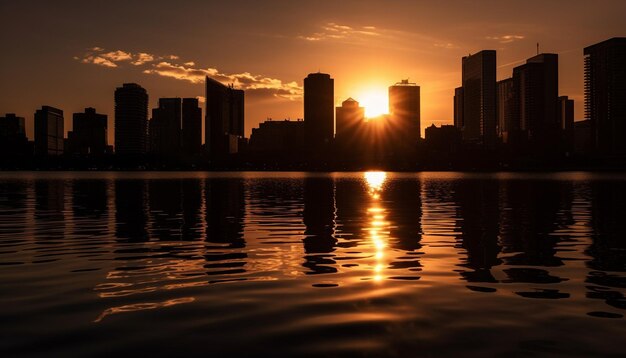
{"x": 521, "y": 122}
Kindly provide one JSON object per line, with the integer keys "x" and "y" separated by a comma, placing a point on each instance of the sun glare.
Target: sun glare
{"x": 375, "y": 102}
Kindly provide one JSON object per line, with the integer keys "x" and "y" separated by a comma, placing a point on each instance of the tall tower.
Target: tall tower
{"x": 350, "y": 119}
{"x": 165, "y": 128}
{"x": 224, "y": 118}
{"x": 479, "y": 97}
{"x": 319, "y": 119}
{"x": 49, "y": 131}
{"x": 537, "y": 86}
{"x": 89, "y": 133}
{"x": 404, "y": 108}
{"x": 192, "y": 126}
{"x": 131, "y": 119}
{"x": 605, "y": 95}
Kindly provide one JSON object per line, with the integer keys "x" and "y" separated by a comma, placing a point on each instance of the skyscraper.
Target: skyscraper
{"x": 165, "y": 128}
{"x": 89, "y": 133}
{"x": 192, "y": 126}
{"x": 13, "y": 139}
{"x": 458, "y": 108}
{"x": 508, "y": 114}
{"x": 404, "y": 108}
{"x": 350, "y": 118}
{"x": 131, "y": 119}
{"x": 566, "y": 121}
{"x": 224, "y": 118}
{"x": 537, "y": 86}
{"x": 319, "y": 119}
{"x": 49, "y": 131}
{"x": 605, "y": 95}
{"x": 479, "y": 98}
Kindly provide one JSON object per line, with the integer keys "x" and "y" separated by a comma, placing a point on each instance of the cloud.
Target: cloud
{"x": 117, "y": 56}
{"x": 506, "y": 38}
{"x": 168, "y": 66}
{"x": 142, "y": 58}
{"x": 377, "y": 37}
{"x": 98, "y": 56}
{"x": 249, "y": 82}
{"x": 446, "y": 45}
{"x": 102, "y": 62}
{"x": 335, "y": 31}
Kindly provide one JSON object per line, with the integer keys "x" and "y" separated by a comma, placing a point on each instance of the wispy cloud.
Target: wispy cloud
{"x": 505, "y": 39}
{"x": 332, "y": 30}
{"x": 372, "y": 36}
{"x": 168, "y": 66}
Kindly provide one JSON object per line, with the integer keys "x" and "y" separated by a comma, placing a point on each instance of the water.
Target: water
{"x": 293, "y": 264}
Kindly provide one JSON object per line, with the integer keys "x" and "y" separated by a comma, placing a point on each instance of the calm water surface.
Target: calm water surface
{"x": 286, "y": 264}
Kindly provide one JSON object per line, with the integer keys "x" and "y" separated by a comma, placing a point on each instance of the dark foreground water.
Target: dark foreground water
{"x": 293, "y": 264}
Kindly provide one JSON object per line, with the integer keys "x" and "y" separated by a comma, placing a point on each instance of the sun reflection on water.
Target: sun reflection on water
{"x": 377, "y": 223}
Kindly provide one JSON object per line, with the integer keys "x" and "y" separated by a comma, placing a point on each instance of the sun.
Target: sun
{"x": 375, "y": 102}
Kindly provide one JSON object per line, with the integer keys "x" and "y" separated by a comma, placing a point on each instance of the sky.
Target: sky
{"x": 73, "y": 54}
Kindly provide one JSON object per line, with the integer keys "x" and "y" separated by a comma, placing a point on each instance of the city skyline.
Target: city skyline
{"x": 88, "y": 57}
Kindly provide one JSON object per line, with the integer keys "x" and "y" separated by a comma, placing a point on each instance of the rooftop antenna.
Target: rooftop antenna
{"x": 537, "y": 48}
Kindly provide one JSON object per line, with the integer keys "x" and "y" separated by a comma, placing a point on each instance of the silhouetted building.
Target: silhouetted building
{"x": 350, "y": 120}
{"x": 224, "y": 118}
{"x": 131, "y": 120}
{"x": 319, "y": 105}
{"x": 192, "y": 126}
{"x": 49, "y": 131}
{"x": 89, "y": 133}
{"x": 583, "y": 137}
{"x": 446, "y": 138}
{"x": 404, "y": 108}
{"x": 479, "y": 98}
{"x": 605, "y": 95}
{"x": 165, "y": 128}
{"x": 508, "y": 114}
{"x": 566, "y": 120}
{"x": 537, "y": 84}
{"x": 274, "y": 137}
{"x": 458, "y": 108}
{"x": 13, "y": 139}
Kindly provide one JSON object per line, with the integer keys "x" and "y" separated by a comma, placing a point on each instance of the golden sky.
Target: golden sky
{"x": 73, "y": 54}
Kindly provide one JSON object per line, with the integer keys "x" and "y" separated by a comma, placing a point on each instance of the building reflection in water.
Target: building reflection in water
{"x": 534, "y": 239}
{"x": 319, "y": 220}
{"x": 224, "y": 215}
{"x": 607, "y": 267}
{"x": 131, "y": 210}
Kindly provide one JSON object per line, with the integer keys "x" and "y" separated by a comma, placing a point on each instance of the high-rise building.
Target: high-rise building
{"x": 350, "y": 118}
{"x": 566, "y": 121}
{"x": 404, "y": 108}
{"x": 537, "y": 85}
{"x": 49, "y": 131}
{"x": 605, "y": 95}
{"x": 131, "y": 120}
{"x": 224, "y": 118}
{"x": 237, "y": 125}
{"x": 319, "y": 119}
{"x": 479, "y": 98}
{"x": 277, "y": 138}
{"x": 192, "y": 126}
{"x": 89, "y": 133}
{"x": 165, "y": 128}
{"x": 13, "y": 139}
{"x": 458, "y": 108}
{"x": 507, "y": 115}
